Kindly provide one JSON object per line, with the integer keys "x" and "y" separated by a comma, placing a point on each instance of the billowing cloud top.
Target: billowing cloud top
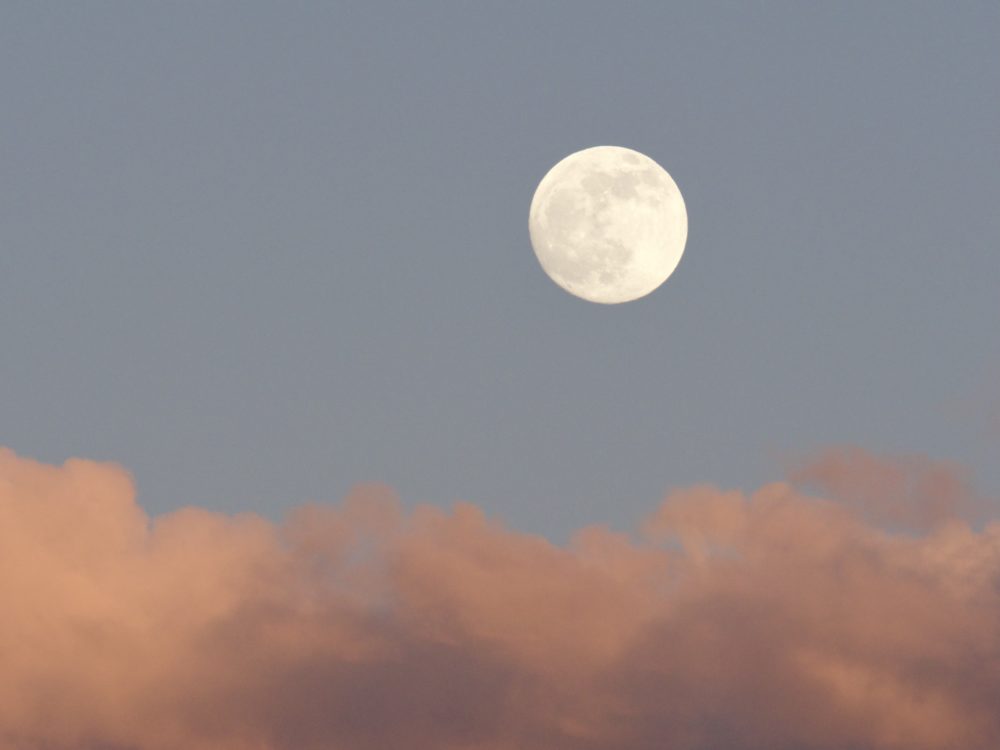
{"x": 868, "y": 619}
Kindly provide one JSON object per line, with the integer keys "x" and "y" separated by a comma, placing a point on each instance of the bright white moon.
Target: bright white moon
{"x": 608, "y": 224}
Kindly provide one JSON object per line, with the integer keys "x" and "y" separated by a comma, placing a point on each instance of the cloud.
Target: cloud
{"x": 912, "y": 492}
{"x": 772, "y": 620}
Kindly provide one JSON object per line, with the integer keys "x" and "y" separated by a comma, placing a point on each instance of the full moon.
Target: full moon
{"x": 608, "y": 224}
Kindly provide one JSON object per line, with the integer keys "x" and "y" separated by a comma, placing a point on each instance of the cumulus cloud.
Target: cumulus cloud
{"x": 772, "y": 620}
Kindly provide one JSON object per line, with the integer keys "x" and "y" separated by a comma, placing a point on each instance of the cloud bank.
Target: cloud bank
{"x": 866, "y": 616}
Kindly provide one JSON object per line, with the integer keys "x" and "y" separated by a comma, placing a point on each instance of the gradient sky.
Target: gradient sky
{"x": 258, "y": 253}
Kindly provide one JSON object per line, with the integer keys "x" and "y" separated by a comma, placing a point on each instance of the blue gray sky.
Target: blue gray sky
{"x": 260, "y": 252}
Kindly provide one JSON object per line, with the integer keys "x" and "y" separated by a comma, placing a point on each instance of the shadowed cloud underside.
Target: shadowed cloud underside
{"x": 774, "y": 620}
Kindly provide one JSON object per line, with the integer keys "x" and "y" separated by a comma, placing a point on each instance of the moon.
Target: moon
{"x": 608, "y": 224}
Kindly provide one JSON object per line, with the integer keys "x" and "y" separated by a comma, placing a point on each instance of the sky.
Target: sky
{"x": 275, "y": 351}
{"x": 258, "y": 253}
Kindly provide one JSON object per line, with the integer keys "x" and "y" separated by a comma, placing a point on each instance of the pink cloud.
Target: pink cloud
{"x": 910, "y": 492}
{"x": 771, "y": 620}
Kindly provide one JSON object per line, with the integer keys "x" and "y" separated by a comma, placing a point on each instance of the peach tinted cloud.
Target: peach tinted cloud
{"x": 912, "y": 492}
{"x": 771, "y": 620}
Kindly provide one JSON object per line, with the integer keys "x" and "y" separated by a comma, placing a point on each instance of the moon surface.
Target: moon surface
{"x": 608, "y": 224}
